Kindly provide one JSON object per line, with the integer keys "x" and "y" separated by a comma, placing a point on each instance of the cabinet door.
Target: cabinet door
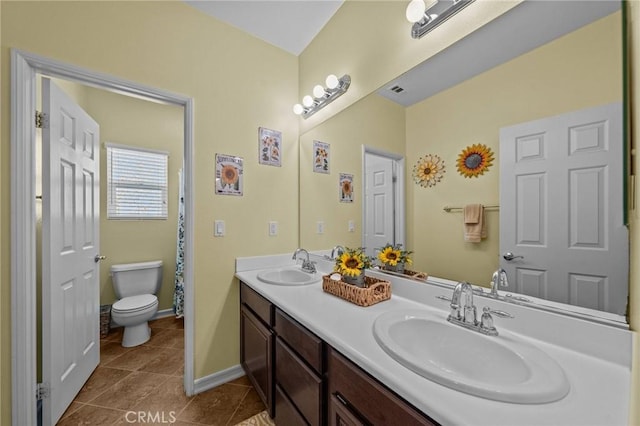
{"x": 339, "y": 414}
{"x": 256, "y": 355}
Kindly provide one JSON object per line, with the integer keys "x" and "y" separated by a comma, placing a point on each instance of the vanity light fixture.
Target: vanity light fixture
{"x": 322, "y": 96}
{"x": 428, "y": 14}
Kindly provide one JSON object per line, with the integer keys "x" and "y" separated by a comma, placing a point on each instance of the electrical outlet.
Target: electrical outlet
{"x": 273, "y": 228}
{"x": 320, "y": 227}
{"x": 218, "y": 228}
{"x": 352, "y": 226}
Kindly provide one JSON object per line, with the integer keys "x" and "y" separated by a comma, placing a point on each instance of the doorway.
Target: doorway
{"x": 383, "y": 207}
{"x": 25, "y": 66}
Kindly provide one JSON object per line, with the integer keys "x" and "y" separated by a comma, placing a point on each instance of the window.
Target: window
{"x": 136, "y": 183}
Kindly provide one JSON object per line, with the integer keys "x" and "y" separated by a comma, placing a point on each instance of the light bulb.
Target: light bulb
{"x": 318, "y": 91}
{"x": 297, "y": 109}
{"x": 307, "y": 101}
{"x": 415, "y": 10}
{"x": 332, "y": 81}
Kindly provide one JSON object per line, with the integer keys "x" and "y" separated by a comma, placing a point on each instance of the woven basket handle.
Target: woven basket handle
{"x": 375, "y": 286}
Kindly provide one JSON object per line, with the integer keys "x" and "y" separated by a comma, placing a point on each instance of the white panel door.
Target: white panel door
{"x": 561, "y": 207}
{"x": 379, "y": 198}
{"x": 70, "y": 244}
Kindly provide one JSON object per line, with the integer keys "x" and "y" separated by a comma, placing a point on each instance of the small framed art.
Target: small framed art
{"x": 269, "y": 147}
{"x": 229, "y": 174}
{"x": 346, "y": 188}
{"x": 321, "y": 159}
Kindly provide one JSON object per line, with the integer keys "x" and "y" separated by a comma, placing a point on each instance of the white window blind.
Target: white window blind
{"x": 136, "y": 183}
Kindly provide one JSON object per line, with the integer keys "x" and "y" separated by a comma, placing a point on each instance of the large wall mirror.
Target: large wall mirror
{"x": 465, "y": 95}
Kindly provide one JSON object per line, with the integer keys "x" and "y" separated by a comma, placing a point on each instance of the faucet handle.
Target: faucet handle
{"x": 498, "y": 313}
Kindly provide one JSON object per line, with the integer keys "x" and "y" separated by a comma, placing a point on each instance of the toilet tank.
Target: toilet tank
{"x": 132, "y": 279}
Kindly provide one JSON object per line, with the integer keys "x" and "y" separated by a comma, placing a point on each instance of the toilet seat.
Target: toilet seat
{"x": 132, "y": 304}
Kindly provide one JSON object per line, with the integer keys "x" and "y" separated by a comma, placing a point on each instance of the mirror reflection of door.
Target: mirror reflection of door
{"x": 561, "y": 196}
{"x": 382, "y": 195}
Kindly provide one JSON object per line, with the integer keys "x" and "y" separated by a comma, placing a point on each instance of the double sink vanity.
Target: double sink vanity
{"x": 422, "y": 357}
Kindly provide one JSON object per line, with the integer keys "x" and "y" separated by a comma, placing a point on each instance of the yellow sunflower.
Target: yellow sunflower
{"x": 474, "y": 160}
{"x": 350, "y": 264}
{"x": 229, "y": 174}
{"x": 428, "y": 170}
{"x": 390, "y": 256}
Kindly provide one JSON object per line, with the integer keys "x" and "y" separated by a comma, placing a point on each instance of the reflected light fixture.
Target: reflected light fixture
{"x": 322, "y": 96}
{"x": 428, "y": 14}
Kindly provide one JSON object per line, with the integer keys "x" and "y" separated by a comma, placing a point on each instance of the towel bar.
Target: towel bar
{"x": 449, "y": 209}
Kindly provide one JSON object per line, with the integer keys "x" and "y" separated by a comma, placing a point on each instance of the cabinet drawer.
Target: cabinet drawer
{"x": 258, "y": 304}
{"x": 299, "y": 383}
{"x": 339, "y": 414}
{"x": 286, "y": 412}
{"x": 305, "y": 343}
{"x": 368, "y": 397}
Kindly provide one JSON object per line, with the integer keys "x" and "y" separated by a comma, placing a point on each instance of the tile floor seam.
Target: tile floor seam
{"x": 107, "y": 389}
{"x": 237, "y": 407}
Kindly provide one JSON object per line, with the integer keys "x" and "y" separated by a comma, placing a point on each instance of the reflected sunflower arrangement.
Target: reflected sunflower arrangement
{"x": 474, "y": 160}
{"x": 352, "y": 262}
{"x": 392, "y": 255}
{"x": 428, "y": 170}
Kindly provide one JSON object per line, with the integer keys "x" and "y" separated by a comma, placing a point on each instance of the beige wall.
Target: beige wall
{"x": 373, "y": 121}
{"x": 134, "y": 122}
{"x": 472, "y": 112}
{"x": 238, "y": 84}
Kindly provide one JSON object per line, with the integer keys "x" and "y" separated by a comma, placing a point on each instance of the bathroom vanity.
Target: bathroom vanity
{"x": 314, "y": 358}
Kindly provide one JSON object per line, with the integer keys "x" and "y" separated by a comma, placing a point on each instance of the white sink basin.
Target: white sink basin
{"x": 288, "y": 276}
{"x": 503, "y": 368}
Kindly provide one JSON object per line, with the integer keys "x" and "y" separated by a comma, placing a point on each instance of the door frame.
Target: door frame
{"x": 24, "y": 66}
{"x": 399, "y": 193}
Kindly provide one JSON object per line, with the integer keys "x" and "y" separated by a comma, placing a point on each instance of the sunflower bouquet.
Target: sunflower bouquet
{"x": 352, "y": 263}
{"x": 393, "y": 257}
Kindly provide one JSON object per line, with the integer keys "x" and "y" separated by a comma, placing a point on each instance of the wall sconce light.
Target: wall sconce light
{"x": 322, "y": 96}
{"x": 428, "y": 14}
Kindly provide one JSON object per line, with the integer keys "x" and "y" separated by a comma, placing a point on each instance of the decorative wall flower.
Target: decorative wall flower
{"x": 229, "y": 174}
{"x": 474, "y": 160}
{"x": 428, "y": 170}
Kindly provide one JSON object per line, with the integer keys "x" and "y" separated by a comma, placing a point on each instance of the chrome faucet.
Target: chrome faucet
{"x": 467, "y": 317}
{"x": 499, "y": 279}
{"x": 307, "y": 265}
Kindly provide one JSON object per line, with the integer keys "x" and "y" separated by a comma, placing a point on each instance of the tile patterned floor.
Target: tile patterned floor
{"x": 143, "y": 385}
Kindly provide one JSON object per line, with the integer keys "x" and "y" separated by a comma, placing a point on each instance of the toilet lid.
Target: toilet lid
{"x": 135, "y": 303}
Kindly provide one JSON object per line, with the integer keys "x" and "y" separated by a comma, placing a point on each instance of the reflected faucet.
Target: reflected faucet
{"x": 499, "y": 279}
{"x": 307, "y": 265}
{"x": 336, "y": 252}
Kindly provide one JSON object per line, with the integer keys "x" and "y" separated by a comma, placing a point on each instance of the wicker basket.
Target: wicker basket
{"x": 105, "y": 320}
{"x": 376, "y": 290}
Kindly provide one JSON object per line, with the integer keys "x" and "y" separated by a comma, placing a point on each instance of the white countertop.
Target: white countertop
{"x": 595, "y": 358}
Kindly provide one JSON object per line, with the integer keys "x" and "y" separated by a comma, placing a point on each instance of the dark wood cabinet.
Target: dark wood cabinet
{"x": 256, "y": 347}
{"x": 304, "y": 381}
{"x": 356, "y": 396}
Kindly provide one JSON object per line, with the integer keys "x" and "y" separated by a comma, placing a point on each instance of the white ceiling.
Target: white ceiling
{"x": 287, "y": 24}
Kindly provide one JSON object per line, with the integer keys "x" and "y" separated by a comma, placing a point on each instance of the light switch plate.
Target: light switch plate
{"x": 273, "y": 228}
{"x": 218, "y": 228}
{"x": 320, "y": 227}
{"x": 352, "y": 226}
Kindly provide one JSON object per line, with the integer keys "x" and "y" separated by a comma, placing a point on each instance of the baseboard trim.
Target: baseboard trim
{"x": 216, "y": 379}
{"x": 163, "y": 314}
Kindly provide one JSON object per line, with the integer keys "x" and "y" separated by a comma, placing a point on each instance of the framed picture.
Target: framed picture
{"x": 346, "y": 188}
{"x": 321, "y": 160}
{"x": 269, "y": 147}
{"x": 229, "y": 174}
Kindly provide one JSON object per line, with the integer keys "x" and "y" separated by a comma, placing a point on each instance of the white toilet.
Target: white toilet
{"x": 135, "y": 285}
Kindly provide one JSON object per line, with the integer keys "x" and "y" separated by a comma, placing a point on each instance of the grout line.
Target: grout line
{"x": 238, "y": 407}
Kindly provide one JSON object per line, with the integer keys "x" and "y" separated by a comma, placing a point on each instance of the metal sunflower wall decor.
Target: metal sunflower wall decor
{"x": 428, "y": 170}
{"x": 474, "y": 160}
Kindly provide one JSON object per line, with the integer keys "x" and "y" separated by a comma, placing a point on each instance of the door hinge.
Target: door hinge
{"x": 42, "y": 121}
{"x": 42, "y": 391}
